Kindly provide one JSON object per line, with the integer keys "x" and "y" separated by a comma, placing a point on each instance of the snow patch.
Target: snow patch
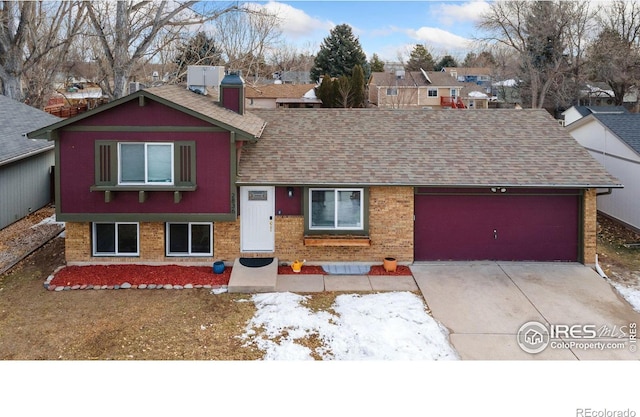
{"x": 384, "y": 326}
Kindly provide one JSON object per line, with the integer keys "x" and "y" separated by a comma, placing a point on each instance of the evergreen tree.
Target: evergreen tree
{"x": 339, "y": 53}
{"x": 325, "y": 91}
{"x": 376, "y": 64}
{"x": 420, "y": 58}
{"x": 357, "y": 86}
{"x": 199, "y": 50}
{"x": 446, "y": 61}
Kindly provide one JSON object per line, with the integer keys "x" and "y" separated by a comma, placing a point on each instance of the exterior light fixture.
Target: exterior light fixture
{"x": 290, "y": 191}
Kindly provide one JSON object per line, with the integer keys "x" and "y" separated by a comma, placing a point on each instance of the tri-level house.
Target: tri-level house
{"x": 166, "y": 175}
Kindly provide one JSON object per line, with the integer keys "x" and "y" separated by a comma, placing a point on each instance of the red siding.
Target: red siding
{"x": 286, "y": 205}
{"x": 527, "y": 227}
{"x": 151, "y": 114}
{"x": 231, "y": 99}
{"x": 213, "y": 163}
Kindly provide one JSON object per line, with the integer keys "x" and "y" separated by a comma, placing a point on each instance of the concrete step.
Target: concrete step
{"x": 253, "y": 280}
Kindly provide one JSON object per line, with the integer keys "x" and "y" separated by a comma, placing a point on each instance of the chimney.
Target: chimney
{"x": 232, "y": 92}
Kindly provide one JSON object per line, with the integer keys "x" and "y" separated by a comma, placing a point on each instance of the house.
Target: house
{"x": 601, "y": 94}
{"x": 25, "y": 164}
{"x": 474, "y": 96}
{"x": 273, "y": 96}
{"x": 478, "y": 75}
{"x": 414, "y": 89}
{"x": 613, "y": 139}
{"x": 169, "y": 176}
{"x": 578, "y": 112}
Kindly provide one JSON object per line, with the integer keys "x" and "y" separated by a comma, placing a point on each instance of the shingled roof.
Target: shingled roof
{"x": 179, "y": 97}
{"x": 18, "y": 119}
{"x": 418, "y": 148}
{"x": 278, "y": 90}
{"x": 205, "y": 106}
{"x": 414, "y": 79}
{"x": 626, "y": 126}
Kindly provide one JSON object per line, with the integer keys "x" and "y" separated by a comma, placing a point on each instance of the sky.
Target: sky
{"x": 383, "y": 27}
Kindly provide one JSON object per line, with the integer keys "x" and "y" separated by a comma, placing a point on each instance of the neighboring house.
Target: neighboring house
{"x": 480, "y": 76}
{"x": 473, "y": 96}
{"x": 272, "y": 96}
{"x": 25, "y": 164}
{"x": 293, "y": 77}
{"x": 417, "y": 89}
{"x": 169, "y": 176}
{"x": 600, "y": 94}
{"x": 578, "y": 112}
{"x": 614, "y": 140}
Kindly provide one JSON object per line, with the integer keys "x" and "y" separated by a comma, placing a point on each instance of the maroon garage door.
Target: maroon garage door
{"x": 535, "y": 227}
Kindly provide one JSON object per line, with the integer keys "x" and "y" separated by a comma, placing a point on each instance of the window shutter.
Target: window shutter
{"x": 106, "y": 162}
{"x": 185, "y": 160}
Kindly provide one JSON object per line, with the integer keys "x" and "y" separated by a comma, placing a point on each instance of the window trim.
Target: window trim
{"x": 189, "y": 253}
{"x": 432, "y": 90}
{"x": 94, "y": 242}
{"x": 392, "y": 91}
{"x": 146, "y": 181}
{"x": 336, "y": 228}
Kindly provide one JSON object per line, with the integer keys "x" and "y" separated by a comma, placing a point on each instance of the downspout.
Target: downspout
{"x": 608, "y": 192}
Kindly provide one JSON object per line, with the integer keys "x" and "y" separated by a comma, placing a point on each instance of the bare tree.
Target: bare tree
{"x": 245, "y": 36}
{"x": 31, "y": 34}
{"x": 614, "y": 56}
{"x": 132, "y": 32}
{"x": 543, "y": 34}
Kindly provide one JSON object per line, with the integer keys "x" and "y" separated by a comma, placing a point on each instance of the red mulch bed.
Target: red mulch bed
{"x": 306, "y": 269}
{"x": 139, "y": 274}
{"x": 400, "y": 270}
{"x": 111, "y": 275}
{"x": 317, "y": 270}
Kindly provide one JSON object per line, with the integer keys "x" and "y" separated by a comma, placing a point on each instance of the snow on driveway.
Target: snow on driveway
{"x": 384, "y": 326}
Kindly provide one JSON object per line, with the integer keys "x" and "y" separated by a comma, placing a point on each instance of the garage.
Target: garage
{"x": 497, "y": 224}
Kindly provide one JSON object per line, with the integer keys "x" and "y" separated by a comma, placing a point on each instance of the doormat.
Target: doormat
{"x": 346, "y": 269}
{"x": 255, "y": 262}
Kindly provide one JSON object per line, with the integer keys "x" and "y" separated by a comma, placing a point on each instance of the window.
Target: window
{"x": 145, "y": 163}
{"x": 454, "y": 93}
{"x": 336, "y": 209}
{"x": 392, "y": 91}
{"x": 115, "y": 239}
{"x": 189, "y": 239}
{"x": 432, "y": 92}
{"x": 151, "y": 164}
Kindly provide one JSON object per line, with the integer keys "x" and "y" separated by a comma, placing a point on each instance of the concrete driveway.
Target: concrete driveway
{"x": 484, "y": 305}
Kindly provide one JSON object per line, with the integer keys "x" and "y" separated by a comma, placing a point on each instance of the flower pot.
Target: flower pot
{"x": 390, "y": 264}
{"x": 218, "y": 267}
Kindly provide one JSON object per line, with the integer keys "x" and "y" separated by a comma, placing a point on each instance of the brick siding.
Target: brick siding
{"x": 391, "y": 223}
{"x": 589, "y": 227}
{"x": 390, "y": 227}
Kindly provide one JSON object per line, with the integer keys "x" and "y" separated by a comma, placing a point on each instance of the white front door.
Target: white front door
{"x": 257, "y": 219}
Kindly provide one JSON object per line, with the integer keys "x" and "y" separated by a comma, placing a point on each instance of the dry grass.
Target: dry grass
{"x": 110, "y": 324}
{"x": 619, "y": 262}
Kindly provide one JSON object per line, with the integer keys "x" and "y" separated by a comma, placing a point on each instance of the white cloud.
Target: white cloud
{"x": 451, "y": 13}
{"x": 439, "y": 38}
{"x": 295, "y": 23}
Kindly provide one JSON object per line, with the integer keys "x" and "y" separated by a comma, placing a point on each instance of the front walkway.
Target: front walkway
{"x": 266, "y": 279}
